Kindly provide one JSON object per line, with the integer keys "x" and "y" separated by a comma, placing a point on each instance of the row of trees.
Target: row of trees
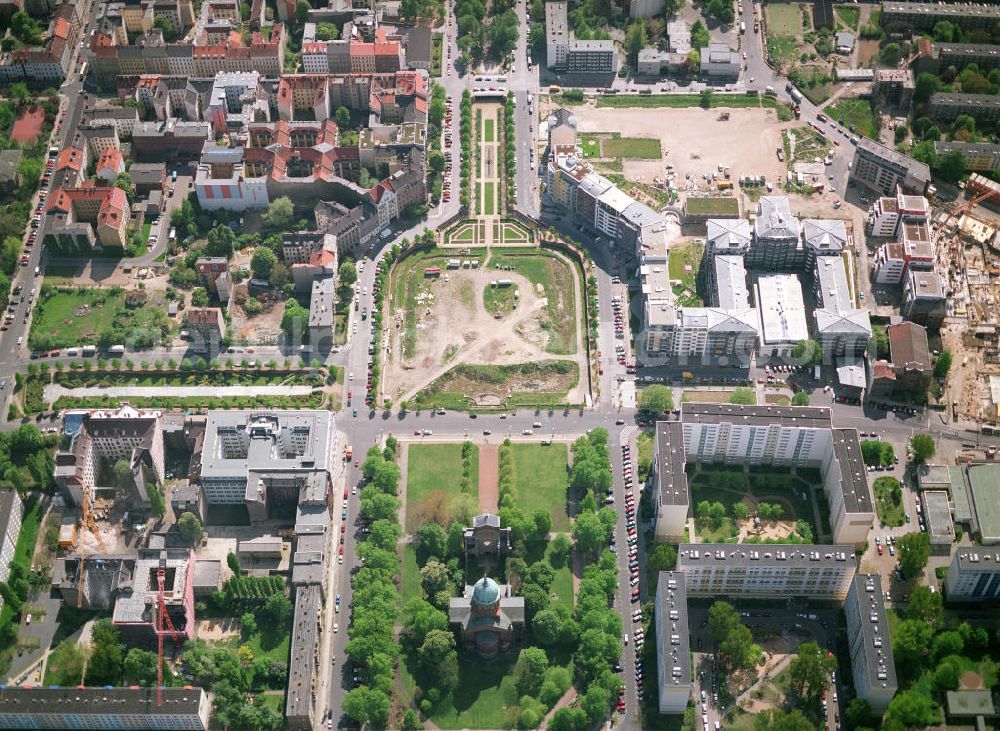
{"x": 371, "y": 647}
{"x": 465, "y": 140}
{"x": 510, "y": 167}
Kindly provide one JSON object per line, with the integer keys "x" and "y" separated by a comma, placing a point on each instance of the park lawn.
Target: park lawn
{"x": 437, "y": 51}
{"x": 562, "y": 585}
{"x": 276, "y": 652}
{"x": 889, "y": 502}
{"x": 434, "y": 469}
{"x": 644, "y": 450}
{"x": 857, "y": 112}
{"x": 489, "y": 201}
{"x": 481, "y": 700}
{"x": 540, "y": 481}
{"x": 488, "y": 129}
{"x": 784, "y": 19}
{"x": 848, "y": 16}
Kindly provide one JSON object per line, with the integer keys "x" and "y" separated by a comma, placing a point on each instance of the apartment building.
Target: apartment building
{"x": 985, "y": 55}
{"x": 302, "y": 692}
{"x": 107, "y": 436}
{"x": 870, "y": 645}
{"x": 762, "y": 435}
{"x": 888, "y": 213}
{"x": 841, "y": 328}
{"x": 782, "y": 314}
{"x": 567, "y": 54}
{"x": 184, "y": 709}
{"x": 83, "y": 218}
{"x": 898, "y": 15}
{"x": 11, "y": 513}
{"x": 321, "y": 305}
{"x": 208, "y": 54}
{"x": 884, "y": 169}
{"x": 263, "y": 458}
{"x": 673, "y": 656}
{"x": 823, "y": 238}
{"x": 973, "y": 575}
{"x": 946, "y": 106}
{"x": 207, "y": 329}
{"x": 720, "y": 63}
{"x": 213, "y": 275}
{"x": 979, "y": 156}
{"x": 738, "y": 570}
{"x": 171, "y": 140}
{"x": 49, "y": 63}
{"x": 924, "y": 298}
{"x": 777, "y": 242}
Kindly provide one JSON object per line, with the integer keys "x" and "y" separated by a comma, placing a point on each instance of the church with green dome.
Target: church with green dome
{"x": 488, "y": 618}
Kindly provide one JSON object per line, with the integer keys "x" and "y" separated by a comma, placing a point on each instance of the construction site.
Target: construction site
{"x": 968, "y": 250}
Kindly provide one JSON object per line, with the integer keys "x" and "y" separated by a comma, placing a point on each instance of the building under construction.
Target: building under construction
{"x": 129, "y": 585}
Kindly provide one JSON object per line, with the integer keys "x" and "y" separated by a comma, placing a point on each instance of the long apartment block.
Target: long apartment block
{"x": 870, "y": 645}
{"x": 673, "y": 644}
{"x": 748, "y": 436}
{"x": 766, "y": 571}
{"x": 974, "y": 575}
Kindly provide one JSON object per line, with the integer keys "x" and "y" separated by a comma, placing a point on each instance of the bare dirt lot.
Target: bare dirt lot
{"x": 695, "y": 140}
{"x": 452, "y": 326}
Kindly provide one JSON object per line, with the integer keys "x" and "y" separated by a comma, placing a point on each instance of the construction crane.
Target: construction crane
{"x": 971, "y": 203}
{"x": 88, "y": 519}
{"x": 79, "y": 583}
{"x": 162, "y": 616}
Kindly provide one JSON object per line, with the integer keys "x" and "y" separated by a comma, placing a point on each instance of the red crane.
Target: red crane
{"x": 162, "y": 616}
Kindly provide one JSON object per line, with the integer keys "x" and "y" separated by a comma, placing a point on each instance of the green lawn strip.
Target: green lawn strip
{"x": 638, "y": 148}
{"x": 680, "y": 101}
{"x": 437, "y": 50}
{"x": 434, "y": 468}
{"x": 562, "y": 585}
{"x": 488, "y": 129}
{"x": 411, "y": 588}
{"x": 889, "y": 501}
{"x": 489, "y": 199}
{"x": 540, "y": 480}
{"x": 857, "y": 112}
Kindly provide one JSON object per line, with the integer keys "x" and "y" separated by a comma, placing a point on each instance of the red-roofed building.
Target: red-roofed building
{"x": 110, "y": 164}
{"x": 82, "y": 217}
{"x": 70, "y": 167}
{"x": 49, "y": 62}
{"x": 206, "y": 328}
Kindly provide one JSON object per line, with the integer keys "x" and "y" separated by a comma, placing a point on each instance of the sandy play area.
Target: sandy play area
{"x": 695, "y": 140}
{"x": 453, "y": 326}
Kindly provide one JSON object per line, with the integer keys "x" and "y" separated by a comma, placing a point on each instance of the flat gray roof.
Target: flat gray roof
{"x": 268, "y": 438}
{"x": 877, "y": 645}
{"x": 99, "y": 702}
{"x": 979, "y": 558}
{"x": 984, "y": 485}
{"x": 759, "y": 554}
{"x": 938, "y": 512}
{"x": 671, "y": 460}
{"x": 305, "y": 640}
{"x": 816, "y": 417}
{"x": 675, "y": 643}
{"x": 853, "y": 473}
